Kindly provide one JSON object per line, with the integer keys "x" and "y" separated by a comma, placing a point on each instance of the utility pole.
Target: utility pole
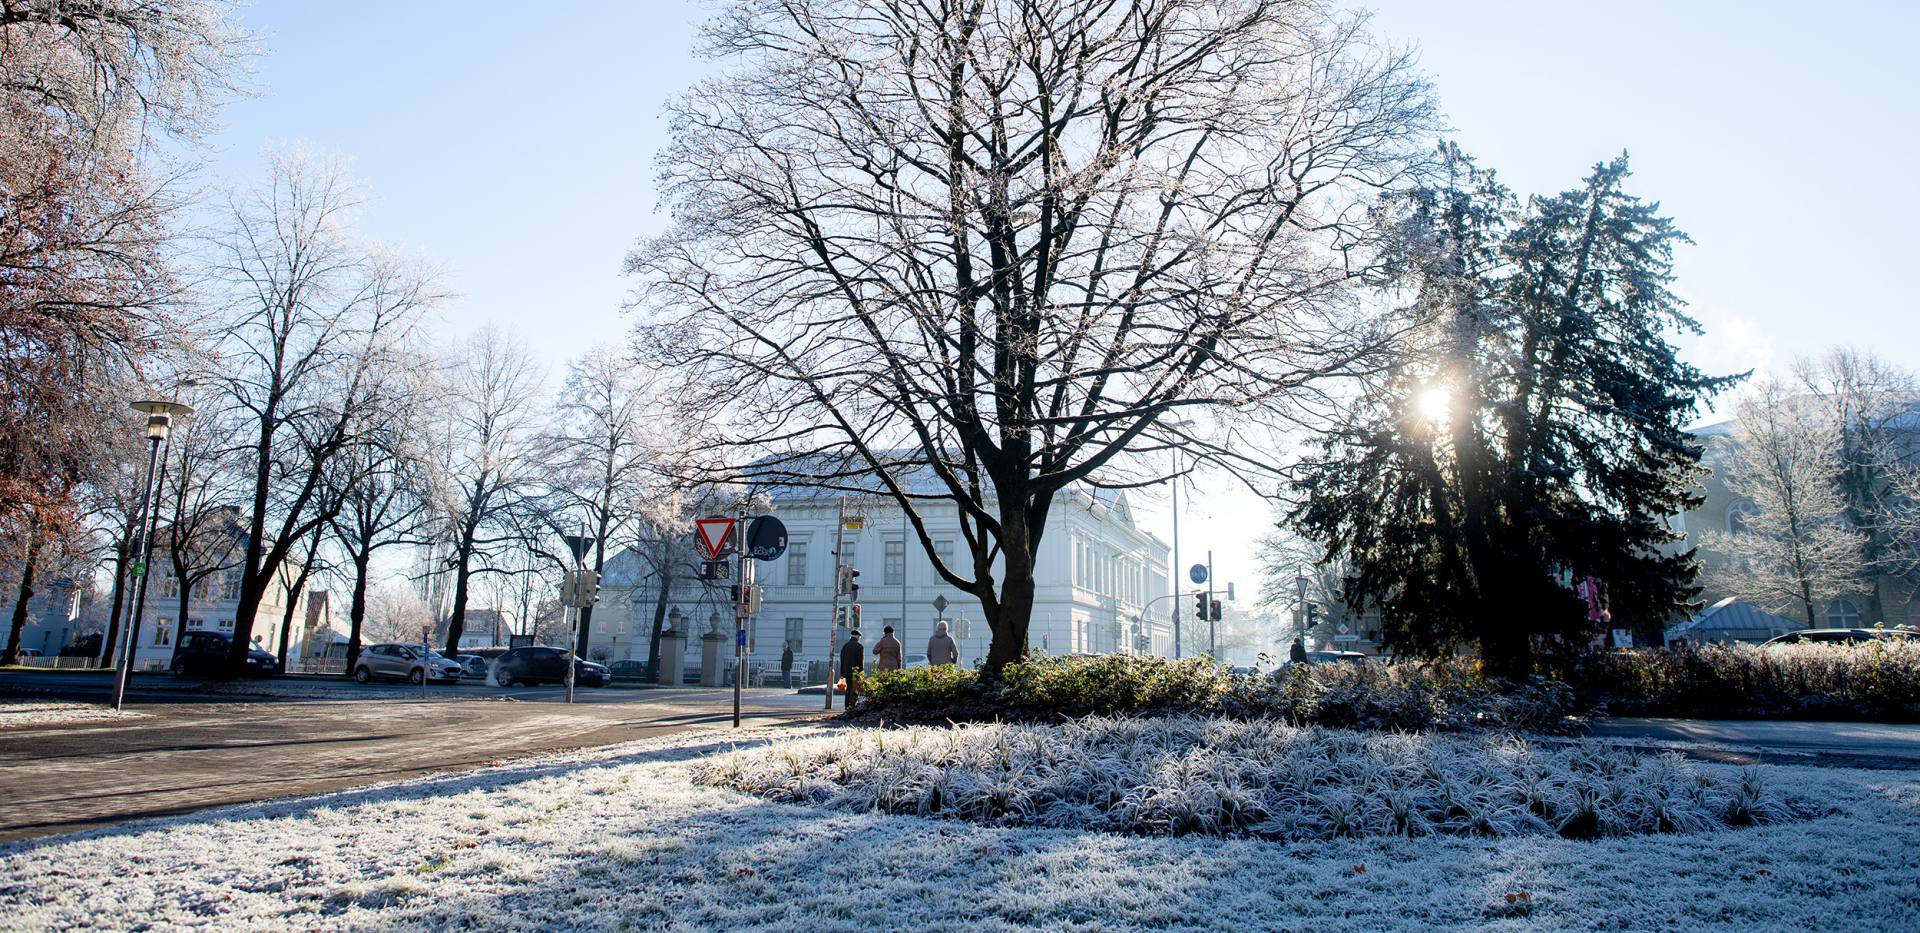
{"x": 1176, "y": 553}
{"x": 833, "y": 621}
{"x": 1213, "y": 634}
{"x": 745, "y": 578}
{"x": 149, "y": 519}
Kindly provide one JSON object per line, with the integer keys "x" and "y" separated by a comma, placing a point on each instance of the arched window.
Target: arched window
{"x": 1843, "y": 614}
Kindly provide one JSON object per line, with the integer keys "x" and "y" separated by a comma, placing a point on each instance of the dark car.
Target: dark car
{"x": 538, "y": 664}
{"x": 1842, "y": 636}
{"x": 201, "y": 654}
{"x": 628, "y": 669}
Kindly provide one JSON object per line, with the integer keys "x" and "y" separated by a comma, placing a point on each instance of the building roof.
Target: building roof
{"x": 1735, "y": 617}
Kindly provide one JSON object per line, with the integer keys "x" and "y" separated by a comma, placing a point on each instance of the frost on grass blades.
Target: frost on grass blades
{"x": 1174, "y": 776}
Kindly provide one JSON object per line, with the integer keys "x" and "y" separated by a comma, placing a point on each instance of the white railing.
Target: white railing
{"x": 58, "y": 664}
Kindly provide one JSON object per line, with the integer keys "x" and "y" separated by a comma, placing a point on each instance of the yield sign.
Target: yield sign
{"x": 714, "y": 535}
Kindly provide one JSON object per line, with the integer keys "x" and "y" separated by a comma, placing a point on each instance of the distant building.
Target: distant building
{"x": 1732, "y": 620}
{"x": 1099, "y": 576}
{"x": 53, "y": 614}
{"x": 213, "y": 605}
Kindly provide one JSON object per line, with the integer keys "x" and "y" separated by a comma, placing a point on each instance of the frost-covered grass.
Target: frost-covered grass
{"x": 19, "y": 714}
{"x": 1262, "y": 779}
{"x": 623, "y": 838}
{"x": 1876, "y": 680}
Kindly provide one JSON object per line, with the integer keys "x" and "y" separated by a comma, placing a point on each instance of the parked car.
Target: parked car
{"x": 472, "y": 665}
{"x": 539, "y": 664}
{"x": 199, "y": 654}
{"x": 1846, "y": 636}
{"x": 628, "y": 669}
{"x": 1321, "y": 657}
{"x": 404, "y": 662}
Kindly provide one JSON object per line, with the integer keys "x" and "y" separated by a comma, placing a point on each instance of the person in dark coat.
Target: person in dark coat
{"x": 853, "y": 663}
{"x": 786, "y": 665}
{"x": 1298, "y": 653}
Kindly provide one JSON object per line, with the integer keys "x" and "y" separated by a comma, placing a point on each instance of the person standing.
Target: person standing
{"x": 786, "y": 665}
{"x": 942, "y": 650}
{"x": 853, "y": 662}
{"x": 1298, "y": 653}
{"x": 887, "y": 651}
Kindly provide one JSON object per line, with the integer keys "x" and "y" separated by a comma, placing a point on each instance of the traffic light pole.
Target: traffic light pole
{"x": 745, "y": 589}
{"x": 1213, "y": 640}
{"x": 1176, "y": 554}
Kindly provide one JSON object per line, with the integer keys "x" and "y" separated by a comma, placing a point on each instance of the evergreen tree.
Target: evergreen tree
{"x": 1532, "y": 435}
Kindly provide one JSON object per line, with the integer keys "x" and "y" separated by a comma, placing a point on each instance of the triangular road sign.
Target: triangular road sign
{"x": 715, "y": 535}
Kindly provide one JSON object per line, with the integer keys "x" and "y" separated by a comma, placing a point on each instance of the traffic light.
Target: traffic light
{"x": 846, "y": 582}
{"x": 589, "y": 587}
{"x": 1216, "y": 610}
{"x": 754, "y": 594}
{"x": 853, "y": 616}
{"x": 1313, "y": 614}
{"x": 1200, "y": 606}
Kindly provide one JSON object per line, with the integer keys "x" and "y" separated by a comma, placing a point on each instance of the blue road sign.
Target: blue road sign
{"x": 1198, "y": 574}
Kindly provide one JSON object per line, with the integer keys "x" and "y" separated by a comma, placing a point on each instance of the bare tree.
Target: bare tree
{"x": 979, "y": 252}
{"x": 1795, "y": 549}
{"x": 201, "y": 526}
{"x": 605, "y": 446}
{"x": 317, "y": 322}
{"x": 1872, "y": 404}
{"x": 382, "y": 489}
{"x": 487, "y": 462}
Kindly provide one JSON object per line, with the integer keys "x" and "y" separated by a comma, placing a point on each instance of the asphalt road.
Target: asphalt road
{"x": 192, "y": 752}
{"x": 1865, "y": 744}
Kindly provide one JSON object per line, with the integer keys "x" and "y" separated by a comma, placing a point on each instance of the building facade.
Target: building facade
{"x": 1098, "y": 579}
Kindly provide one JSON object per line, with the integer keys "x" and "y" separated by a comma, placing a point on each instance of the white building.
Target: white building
{"x": 1098, "y": 575}
{"x": 213, "y": 605}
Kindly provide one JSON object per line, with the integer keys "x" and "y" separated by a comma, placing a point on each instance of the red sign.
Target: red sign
{"x": 715, "y": 535}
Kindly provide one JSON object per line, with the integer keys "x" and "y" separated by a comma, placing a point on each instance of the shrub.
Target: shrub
{"x": 1180, "y": 775}
{"x": 1450, "y": 695}
{"x": 1876, "y": 680}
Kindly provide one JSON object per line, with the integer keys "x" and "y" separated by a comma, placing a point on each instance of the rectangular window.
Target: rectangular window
{"x": 796, "y": 563}
{"x": 896, "y": 563}
{"x": 170, "y": 587}
{"x": 795, "y": 628}
{"x": 226, "y": 625}
{"x": 163, "y": 631}
{"x": 944, "y": 548}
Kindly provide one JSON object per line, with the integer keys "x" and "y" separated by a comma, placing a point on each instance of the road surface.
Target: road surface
{"x": 189, "y": 752}
{"x": 1865, "y": 744}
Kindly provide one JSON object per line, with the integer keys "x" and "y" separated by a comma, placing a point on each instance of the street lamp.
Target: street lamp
{"x": 1183, "y": 424}
{"x": 160, "y": 415}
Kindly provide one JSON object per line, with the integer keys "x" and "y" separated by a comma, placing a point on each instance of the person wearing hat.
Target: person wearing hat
{"x": 887, "y": 651}
{"x": 853, "y": 662}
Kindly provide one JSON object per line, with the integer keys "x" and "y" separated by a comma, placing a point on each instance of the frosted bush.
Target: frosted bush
{"x": 1879, "y": 679}
{"x": 1181, "y": 775}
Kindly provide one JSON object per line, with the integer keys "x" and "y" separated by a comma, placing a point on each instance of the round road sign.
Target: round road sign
{"x": 766, "y": 538}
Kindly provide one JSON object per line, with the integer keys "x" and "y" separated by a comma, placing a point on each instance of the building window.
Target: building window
{"x": 796, "y": 563}
{"x": 162, "y": 632}
{"x": 1843, "y": 614}
{"x": 896, "y": 563}
{"x": 226, "y": 625}
{"x": 796, "y": 627}
{"x": 170, "y": 587}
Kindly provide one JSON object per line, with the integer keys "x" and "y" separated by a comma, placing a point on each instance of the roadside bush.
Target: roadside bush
{"x": 1878, "y": 680}
{"x": 1418, "y": 697}
{"x": 1189, "y": 774}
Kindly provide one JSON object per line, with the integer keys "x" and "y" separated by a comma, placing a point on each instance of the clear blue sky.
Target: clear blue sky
{"x": 513, "y": 144}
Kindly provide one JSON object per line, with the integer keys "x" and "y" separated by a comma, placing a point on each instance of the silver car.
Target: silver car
{"x": 409, "y": 662}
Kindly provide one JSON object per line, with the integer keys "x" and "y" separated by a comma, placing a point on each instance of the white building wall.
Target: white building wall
{"x": 1091, "y": 606}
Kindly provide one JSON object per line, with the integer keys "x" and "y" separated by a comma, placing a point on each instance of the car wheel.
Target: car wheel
{"x": 180, "y": 668}
{"x": 505, "y": 678}
{"x": 361, "y": 674}
{"x": 417, "y": 676}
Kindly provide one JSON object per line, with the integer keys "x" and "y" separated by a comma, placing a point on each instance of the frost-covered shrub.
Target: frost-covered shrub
{"x": 1452, "y": 695}
{"x": 1180, "y": 775}
{"x": 1877, "y": 680}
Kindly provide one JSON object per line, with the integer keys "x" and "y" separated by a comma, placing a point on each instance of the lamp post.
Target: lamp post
{"x": 160, "y": 415}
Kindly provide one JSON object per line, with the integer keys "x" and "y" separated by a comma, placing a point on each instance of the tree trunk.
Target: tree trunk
{"x": 22, "y": 601}
{"x": 457, "y": 619}
{"x": 659, "y": 618}
{"x": 111, "y": 640}
{"x": 356, "y": 609}
{"x": 1010, "y": 616}
{"x": 586, "y": 612}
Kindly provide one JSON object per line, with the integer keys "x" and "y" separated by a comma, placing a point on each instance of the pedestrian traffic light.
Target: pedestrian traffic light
{"x": 853, "y": 616}
{"x": 1216, "y": 610}
{"x": 1200, "y": 605}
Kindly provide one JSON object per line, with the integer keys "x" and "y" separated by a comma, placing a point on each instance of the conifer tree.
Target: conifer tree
{"x": 1531, "y": 437}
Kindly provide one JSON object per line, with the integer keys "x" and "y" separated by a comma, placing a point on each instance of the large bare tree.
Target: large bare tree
{"x": 487, "y": 463}
{"x": 316, "y": 322}
{"x": 978, "y": 251}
